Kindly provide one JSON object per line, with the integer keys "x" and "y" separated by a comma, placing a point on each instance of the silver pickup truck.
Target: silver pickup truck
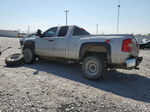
{"x": 96, "y": 53}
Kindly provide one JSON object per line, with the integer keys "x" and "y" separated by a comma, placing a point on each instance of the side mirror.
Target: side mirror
{"x": 39, "y": 33}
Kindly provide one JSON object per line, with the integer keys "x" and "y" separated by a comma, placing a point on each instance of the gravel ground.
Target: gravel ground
{"x": 59, "y": 87}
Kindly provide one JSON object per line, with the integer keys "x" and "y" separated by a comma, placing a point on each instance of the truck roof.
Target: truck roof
{"x": 98, "y": 34}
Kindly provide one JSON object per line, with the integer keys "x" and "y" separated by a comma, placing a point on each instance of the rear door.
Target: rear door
{"x": 61, "y": 43}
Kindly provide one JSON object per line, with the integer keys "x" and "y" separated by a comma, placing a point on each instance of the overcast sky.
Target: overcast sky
{"x": 43, "y": 14}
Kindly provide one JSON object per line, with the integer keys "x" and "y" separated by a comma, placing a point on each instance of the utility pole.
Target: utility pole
{"x": 66, "y": 11}
{"x": 96, "y": 28}
{"x": 28, "y": 31}
{"x": 118, "y": 16}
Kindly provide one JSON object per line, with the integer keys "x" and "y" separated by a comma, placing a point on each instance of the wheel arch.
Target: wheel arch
{"x": 29, "y": 44}
{"x": 100, "y": 48}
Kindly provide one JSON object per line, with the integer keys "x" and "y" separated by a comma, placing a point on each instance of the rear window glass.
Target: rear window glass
{"x": 80, "y": 31}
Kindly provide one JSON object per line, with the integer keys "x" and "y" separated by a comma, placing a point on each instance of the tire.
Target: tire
{"x": 14, "y": 60}
{"x": 94, "y": 68}
{"x": 29, "y": 56}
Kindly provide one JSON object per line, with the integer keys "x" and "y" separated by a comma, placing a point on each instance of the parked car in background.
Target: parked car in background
{"x": 22, "y": 35}
{"x": 145, "y": 44}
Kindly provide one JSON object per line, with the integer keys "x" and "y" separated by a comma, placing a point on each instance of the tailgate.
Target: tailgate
{"x": 135, "y": 47}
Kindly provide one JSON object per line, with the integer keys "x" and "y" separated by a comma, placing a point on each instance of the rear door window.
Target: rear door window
{"x": 63, "y": 31}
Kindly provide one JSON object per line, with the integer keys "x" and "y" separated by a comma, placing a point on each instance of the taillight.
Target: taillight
{"x": 107, "y": 41}
{"x": 126, "y": 46}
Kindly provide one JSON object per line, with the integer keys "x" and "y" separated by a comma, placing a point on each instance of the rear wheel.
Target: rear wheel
{"x": 29, "y": 56}
{"x": 94, "y": 67}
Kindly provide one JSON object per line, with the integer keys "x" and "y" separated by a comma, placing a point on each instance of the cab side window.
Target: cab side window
{"x": 63, "y": 31}
{"x": 51, "y": 32}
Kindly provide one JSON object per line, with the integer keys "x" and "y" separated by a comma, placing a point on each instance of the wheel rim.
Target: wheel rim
{"x": 91, "y": 67}
{"x": 12, "y": 58}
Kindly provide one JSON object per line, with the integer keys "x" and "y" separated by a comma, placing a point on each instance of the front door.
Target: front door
{"x": 61, "y": 43}
{"x": 44, "y": 45}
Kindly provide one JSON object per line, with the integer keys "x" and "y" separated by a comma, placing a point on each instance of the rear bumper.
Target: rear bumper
{"x": 133, "y": 62}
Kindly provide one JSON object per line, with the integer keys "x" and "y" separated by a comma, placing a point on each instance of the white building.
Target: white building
{"x": 8, "y": 33}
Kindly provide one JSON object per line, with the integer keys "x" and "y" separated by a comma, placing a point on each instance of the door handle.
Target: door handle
{"x": 50, "y": 40}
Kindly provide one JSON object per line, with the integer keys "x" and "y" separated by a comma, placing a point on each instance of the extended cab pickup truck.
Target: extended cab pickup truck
{"x": 96, "y": 53}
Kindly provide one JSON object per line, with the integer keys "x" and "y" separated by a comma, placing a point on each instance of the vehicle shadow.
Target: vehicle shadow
{"x": 132, "y": 86}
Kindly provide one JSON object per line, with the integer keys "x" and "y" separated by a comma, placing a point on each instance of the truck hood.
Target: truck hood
{"x": 26, "y": 39}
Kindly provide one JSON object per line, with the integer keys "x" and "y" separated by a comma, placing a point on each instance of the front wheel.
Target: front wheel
{"x": 29, "y": 56}
{"x": 94, "y": 67}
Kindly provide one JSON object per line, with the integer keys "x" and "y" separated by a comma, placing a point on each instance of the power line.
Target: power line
{"x": 66, "y": 11}
{"x": 118, "y": 16}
